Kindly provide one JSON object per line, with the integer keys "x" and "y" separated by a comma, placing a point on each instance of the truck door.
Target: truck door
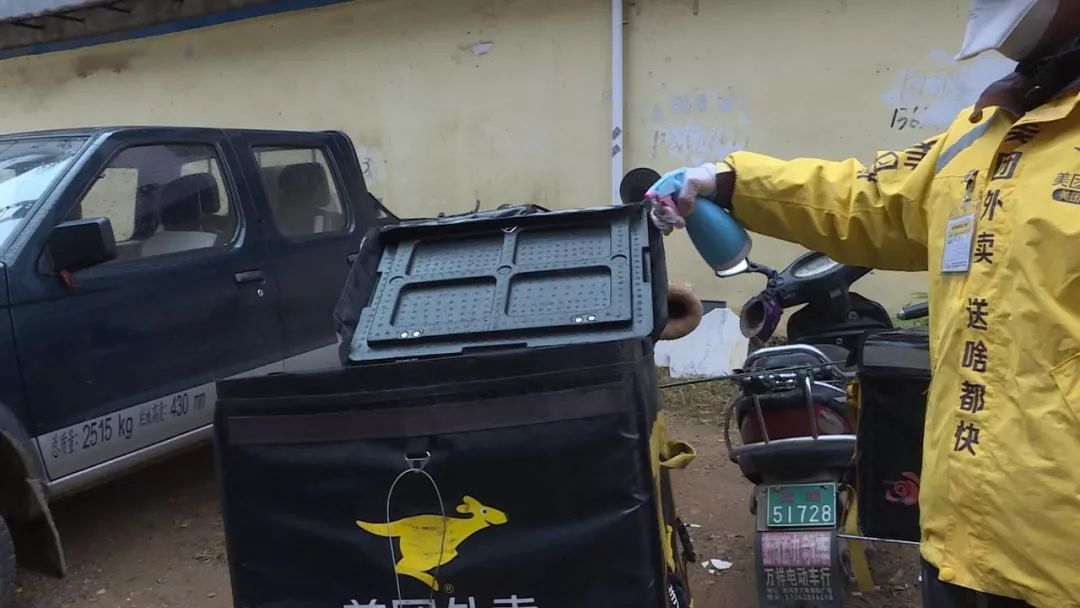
{"x": 314, "y": 233}
{"x": 127, "y": 358}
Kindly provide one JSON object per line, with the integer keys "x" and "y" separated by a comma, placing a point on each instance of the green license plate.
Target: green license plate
{"x": 801, "y": 505}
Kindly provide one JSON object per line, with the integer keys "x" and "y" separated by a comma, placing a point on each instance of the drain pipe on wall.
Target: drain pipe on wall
{"x": 616, "y": 98}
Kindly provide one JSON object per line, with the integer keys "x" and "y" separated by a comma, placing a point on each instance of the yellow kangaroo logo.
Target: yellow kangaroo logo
{"x": 421, "y": 537}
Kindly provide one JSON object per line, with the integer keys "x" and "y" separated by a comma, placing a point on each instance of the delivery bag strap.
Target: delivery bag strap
{"x": 424, "y": 421}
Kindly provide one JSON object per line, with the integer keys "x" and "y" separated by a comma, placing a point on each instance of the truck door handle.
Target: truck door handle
{"x": 248, "y": 276}
{"x": 351, "y": 258}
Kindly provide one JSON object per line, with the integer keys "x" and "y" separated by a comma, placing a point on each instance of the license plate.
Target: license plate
{"x": 801, "y": 505}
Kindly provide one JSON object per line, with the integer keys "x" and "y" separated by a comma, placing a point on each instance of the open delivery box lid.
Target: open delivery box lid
{"x": 502, "y": 279}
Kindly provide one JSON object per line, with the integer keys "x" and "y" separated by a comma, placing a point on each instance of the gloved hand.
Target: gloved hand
{"x": 696, "y": 181}
{"x": 665, "y": 217}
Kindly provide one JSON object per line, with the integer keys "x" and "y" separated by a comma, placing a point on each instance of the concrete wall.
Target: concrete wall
{"x": 507, "y": 100}
{"x": 824, "y": 78}
{"x": 441, "y": 116}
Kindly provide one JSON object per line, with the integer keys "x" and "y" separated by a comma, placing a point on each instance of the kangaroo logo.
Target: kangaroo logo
{"x": 421, "y": 537}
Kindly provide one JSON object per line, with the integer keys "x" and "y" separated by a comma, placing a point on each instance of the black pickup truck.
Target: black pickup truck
{"x": 139, "y": 265}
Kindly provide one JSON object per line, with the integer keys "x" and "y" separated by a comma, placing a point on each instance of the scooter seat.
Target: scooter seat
{"x": 830, "y": 396}
{"x": 796, "y": 459}
{"x": 831, "y": 359}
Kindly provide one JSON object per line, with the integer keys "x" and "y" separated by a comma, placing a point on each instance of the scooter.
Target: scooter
{"x": 797, "y": 437}
{"x": 796, "y": 441}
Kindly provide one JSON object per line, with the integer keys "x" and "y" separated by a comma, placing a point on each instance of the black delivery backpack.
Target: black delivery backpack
{"x": 511, "y": 477}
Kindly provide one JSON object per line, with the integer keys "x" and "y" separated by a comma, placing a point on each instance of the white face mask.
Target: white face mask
{"x": 1011, "y": 27}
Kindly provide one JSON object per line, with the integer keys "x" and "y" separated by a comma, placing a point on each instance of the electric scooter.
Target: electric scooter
{"x": 797, "y": 436}
{"x": 795, "y": 439}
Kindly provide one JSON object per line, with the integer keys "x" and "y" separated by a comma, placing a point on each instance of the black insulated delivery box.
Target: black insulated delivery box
{"x": 893, "y": 380}
{"x": 550, "y": 464}
{"x": 520, "y": 429}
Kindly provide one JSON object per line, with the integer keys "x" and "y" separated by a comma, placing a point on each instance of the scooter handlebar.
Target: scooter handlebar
{"x": 915, "y": 311}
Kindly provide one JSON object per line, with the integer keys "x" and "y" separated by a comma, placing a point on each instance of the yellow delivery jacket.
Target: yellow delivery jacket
{"x": 992, "y": 209}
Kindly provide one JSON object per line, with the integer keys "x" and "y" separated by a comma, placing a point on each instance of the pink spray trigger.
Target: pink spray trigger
{"x": 666, "y": 200}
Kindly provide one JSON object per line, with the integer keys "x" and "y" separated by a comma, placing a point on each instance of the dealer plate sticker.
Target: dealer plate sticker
{"x": 801, "y": 505}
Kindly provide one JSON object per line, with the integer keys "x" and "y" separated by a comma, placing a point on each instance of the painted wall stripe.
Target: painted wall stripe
{"x": 171, "y": 27}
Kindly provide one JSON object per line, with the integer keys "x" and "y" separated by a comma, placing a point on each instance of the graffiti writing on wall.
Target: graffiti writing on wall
{"x": 368, "y": 165}
{"x": 905, "y": 118}
{"x": 699, "y": 127}
{"x": 931, "y": 98}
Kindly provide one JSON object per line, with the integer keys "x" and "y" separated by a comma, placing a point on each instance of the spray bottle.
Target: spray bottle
{"x": 718, "y": 238}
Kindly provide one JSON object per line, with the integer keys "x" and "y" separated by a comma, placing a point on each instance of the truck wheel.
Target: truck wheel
{"x": 7, "y": 567}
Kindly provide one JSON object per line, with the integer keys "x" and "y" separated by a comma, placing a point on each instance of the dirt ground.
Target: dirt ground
{"x": 154, "y": 539}
{"x": 150, "y": 540}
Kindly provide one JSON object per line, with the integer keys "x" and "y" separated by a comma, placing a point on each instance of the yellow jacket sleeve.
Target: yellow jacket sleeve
{"x": 862, "y": 216}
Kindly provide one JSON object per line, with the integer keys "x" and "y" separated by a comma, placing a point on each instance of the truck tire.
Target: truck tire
{"x": 7, "y": 567}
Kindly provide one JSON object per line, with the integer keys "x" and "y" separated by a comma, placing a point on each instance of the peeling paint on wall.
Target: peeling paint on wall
{"x": 481, "y": 48}
{"x": 100, "y": 62}
{"x": 468, "y": 52}
{"x": 931, "y": 99}
{"x": 699, "y": 127}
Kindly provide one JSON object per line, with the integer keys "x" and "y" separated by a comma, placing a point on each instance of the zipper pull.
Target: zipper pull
{"x": 969, "y": 185}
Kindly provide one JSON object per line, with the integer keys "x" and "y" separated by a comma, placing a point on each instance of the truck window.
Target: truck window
{"x": 28, "y": 168}
{"x": 111, "y": 196}
{"x": 162, "y": 199}
{"x": 301, "y": 191}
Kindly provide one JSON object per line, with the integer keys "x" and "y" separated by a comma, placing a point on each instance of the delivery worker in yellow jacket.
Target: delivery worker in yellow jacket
{"x": 991, "y": 208}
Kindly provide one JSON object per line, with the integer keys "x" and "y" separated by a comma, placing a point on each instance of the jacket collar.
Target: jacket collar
{"x": 1034, "y": 88}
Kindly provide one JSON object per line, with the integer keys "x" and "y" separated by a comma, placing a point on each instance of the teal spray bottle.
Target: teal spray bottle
{"x": 718, "y": 238}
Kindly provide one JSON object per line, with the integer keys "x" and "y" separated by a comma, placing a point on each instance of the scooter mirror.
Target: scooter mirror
{"x": 760, "y": 315}
{"x": 737, "y": 269}
{"x": 636, "y": 183}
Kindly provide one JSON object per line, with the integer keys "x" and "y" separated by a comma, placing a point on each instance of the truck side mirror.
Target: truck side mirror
{"x": 80, "y": 244}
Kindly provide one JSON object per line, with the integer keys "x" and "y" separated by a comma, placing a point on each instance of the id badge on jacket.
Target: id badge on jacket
{"x": 960, "y": 232}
